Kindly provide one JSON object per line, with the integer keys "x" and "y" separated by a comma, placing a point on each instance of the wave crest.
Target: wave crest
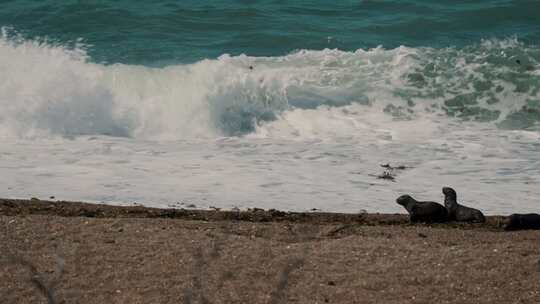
{"x": 51, "y": 89}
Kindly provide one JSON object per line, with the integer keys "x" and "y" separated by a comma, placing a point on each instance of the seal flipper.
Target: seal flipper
{"x": 479, "y": 217}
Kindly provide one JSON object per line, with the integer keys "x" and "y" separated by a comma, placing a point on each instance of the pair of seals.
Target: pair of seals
{"x": 522, "y": 221}
{"x": 429, "y": 212}
{"x": 437, "y": 213}
{"x": 459, "y": 212}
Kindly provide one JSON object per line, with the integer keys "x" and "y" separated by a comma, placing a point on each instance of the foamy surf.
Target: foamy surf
{"x": 55, "y": 90}
{"x": 296, "y": 132}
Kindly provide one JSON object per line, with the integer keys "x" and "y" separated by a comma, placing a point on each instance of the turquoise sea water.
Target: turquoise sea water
{"x": 164, "y": 32}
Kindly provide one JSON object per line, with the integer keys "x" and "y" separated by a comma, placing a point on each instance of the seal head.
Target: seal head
{"x": 406, "y": 201}
{"x": 449, "y": 193}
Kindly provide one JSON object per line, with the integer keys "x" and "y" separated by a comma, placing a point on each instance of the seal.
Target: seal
{"x": 522, "y": 221}
{"x": 459, "y": 212}
{"x": 429, "y": 212}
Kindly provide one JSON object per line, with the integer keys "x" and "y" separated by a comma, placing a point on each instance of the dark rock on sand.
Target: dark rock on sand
{"x": 522, "y": 221}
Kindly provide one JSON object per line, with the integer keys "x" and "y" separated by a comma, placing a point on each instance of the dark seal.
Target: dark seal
{"x": 459, "y": 212}
{"x": 429, "y": 212}
{"x": 522, "y": 221}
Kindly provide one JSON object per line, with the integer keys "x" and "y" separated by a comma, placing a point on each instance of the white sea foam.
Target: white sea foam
{"x": 306, "y": 130}
{"x": 54, "y": 90}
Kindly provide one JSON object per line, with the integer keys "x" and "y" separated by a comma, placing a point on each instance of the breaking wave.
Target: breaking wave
{"x": 48, "y": 89}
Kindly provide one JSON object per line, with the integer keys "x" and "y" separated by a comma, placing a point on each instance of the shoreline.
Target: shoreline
{"x": 14, "y": 207}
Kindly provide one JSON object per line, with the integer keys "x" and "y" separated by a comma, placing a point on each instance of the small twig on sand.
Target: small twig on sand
{"x": 278, "y": 295}
{"x": 337, "y": 230}
{"x": 200, "y": 268}
{"x": 197, "y": 290}
{"x": 47, "y": 289}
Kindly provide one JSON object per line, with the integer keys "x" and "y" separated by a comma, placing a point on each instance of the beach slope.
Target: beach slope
{"x": 69, "y": 252}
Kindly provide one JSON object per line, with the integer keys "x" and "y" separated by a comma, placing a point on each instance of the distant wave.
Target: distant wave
{"x": 54, "y": 90}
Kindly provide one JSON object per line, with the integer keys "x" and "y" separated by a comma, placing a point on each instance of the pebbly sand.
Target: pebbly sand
{"x": 68, "y": 252}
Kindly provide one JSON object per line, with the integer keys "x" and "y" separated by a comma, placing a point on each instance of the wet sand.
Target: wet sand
{"x": 86, "y": 253}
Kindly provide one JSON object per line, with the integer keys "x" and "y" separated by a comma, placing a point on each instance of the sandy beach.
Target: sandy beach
{"x": 267, "y": 152}
{"x": 68, "y": 252}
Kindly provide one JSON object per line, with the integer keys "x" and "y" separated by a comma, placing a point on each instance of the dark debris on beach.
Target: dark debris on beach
{"x": 12, "y": 207}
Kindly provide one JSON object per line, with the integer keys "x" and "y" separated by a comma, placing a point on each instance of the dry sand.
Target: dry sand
{"x": 83, "y": 253}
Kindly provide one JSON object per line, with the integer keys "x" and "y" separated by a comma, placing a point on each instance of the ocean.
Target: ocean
{"x": 271, "y": 104}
